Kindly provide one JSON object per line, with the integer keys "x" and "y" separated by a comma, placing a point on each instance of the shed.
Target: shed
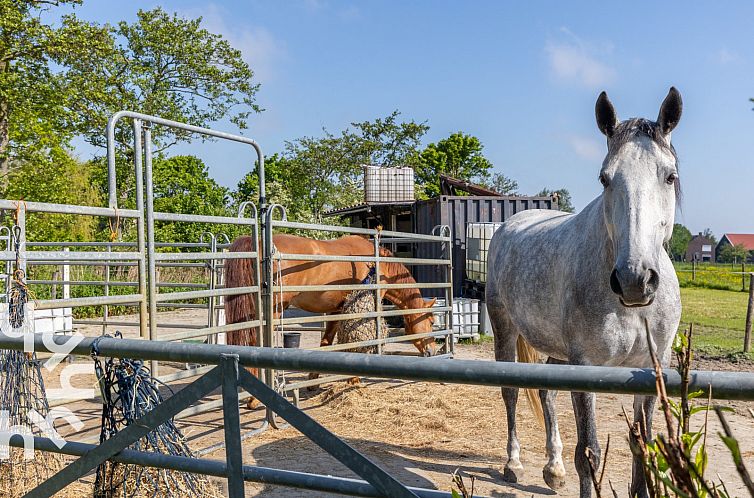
{"x": 456, "y": 211}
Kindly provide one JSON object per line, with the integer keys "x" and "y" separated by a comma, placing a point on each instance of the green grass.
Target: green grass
{"x": 719, "y": 318}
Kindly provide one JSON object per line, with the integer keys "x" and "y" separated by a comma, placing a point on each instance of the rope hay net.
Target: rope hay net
{"x": 128, "y": 392}
{"x": 360, "y": 329}
{"x": 24, "y": 408}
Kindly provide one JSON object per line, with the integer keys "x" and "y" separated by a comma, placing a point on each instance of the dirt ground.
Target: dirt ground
{"x": 423, "y": 432}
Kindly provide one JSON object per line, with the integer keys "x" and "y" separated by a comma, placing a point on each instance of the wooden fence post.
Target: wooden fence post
{"x": 749, "y": 313}
{"x": 693, "y": 269}
{"x": 743, "y": 277}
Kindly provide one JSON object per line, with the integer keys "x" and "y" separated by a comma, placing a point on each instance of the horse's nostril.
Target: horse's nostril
{"x": 653, "y": 281}
{"x": 615, "y": 283}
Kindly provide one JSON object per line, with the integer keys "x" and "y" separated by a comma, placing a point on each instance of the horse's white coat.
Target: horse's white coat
{"x": 549, "y": 280}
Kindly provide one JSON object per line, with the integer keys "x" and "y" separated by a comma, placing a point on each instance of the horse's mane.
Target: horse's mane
{"x": 629, "y": 129}
{"x": 399, "y": 273}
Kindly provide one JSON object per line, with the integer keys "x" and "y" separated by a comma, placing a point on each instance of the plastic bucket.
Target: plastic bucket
{"x": 291, "y": 339}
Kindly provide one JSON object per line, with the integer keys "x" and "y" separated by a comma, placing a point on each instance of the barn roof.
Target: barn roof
{"x": 746, "y": 239}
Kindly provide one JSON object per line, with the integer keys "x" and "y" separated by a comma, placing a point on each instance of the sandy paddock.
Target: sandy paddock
{"x": 422, "y": 432}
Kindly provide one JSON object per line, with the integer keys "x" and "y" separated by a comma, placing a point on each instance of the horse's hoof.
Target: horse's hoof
{"x": 554, "y": 476}
{"x": 312, "y": 376}
{"x": 513, "y": 471}
{"x": 253, "y": 404}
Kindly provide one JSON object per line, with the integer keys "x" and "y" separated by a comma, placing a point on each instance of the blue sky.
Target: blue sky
{"x": 523, "y": 77}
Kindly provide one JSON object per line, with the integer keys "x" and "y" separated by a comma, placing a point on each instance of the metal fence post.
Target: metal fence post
{"x": 378, "y": 291}
{"x": 212, "y": 264}
{"x": 232, "y": 426}
{"x": 106, "y": 309}
{"x": 749, "y": 313}
{"x": 140, "y": 229}
{"x": 152, "y": 300}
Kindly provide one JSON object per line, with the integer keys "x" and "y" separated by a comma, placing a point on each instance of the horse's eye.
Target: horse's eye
{"x": 670, "y": 180}
{"x": 603, "y": 180}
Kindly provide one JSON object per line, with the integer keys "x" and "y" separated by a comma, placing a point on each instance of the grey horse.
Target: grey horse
{"x": 578, "y": 288}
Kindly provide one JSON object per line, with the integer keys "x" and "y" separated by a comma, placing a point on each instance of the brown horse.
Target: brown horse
{"x": 240, "y": 273}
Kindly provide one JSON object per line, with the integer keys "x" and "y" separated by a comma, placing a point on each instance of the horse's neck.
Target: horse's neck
{"x": 599, "y": 248}
{"x": 410, "y": 298}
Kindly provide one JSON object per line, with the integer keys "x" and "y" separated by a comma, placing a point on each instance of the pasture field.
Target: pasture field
{"x": 719, "y": 318}
{"x": 720, "y": 276}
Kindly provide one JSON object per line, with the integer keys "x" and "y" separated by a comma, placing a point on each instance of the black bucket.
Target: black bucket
{"x": 291, "y": 339}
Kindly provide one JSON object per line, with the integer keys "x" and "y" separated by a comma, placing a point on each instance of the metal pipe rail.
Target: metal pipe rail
{"x": 360, "y": 259}
{"x": 215, "y": 468}
{"x": 338, "y": 287}
{"x": 357, "y": 316}
{"x": 417, "y": 237}
{"x": 617, "y": 380}
{"x": 47, "y": 207}
{"x": 112, "y": 183}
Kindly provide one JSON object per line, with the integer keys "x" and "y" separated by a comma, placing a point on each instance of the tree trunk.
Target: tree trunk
{"x": 4, "y": 135}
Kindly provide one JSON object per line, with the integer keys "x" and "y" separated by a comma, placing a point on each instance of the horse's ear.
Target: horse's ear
{"x": 605, "y": 113}
{"x": 430, "y": 303}
{"x": 670, "y": 111}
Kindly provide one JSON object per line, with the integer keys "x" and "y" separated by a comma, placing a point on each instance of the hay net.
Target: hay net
{"x": 128, "y": 392}
{"x": 360, "y": 329}
{"x": 24, "y": 407}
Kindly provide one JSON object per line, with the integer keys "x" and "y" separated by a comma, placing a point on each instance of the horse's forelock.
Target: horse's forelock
{"x": 626, "y": 131}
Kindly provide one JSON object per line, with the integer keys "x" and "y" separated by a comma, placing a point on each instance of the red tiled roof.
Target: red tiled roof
{"x": 747, "y": 239}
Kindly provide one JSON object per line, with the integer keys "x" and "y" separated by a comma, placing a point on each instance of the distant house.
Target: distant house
{"x": 700, "y": 248}
{"x": 732, "y": 239}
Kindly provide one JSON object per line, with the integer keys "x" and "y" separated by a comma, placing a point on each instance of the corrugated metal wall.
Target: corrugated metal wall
{"x": 456, "y": 212}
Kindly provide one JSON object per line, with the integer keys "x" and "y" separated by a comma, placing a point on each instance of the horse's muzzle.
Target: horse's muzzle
{"x": 635, "y": 288}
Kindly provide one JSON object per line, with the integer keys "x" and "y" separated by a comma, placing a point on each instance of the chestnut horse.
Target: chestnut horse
{"x": 240, "y": 273}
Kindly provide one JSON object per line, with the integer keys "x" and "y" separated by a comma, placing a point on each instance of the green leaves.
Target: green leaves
{"x": 459, "y": 156}
{"x": 168, "y": 66}
{"x": 564, "y": 198}
{"x": 679, "y": 242}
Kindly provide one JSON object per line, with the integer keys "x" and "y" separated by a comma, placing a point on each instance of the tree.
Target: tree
{"x": 35, "y": 88}
{"x": 679, "y": 242}
{"x": 459, "y": 156}
{"x": 711, "y": 236}
{"x": 61, "y": 179}
{"x": 389, "y": 143}
{"x": 168, "y": 66}
{"x": 315, "y": 174}
{"x": 733, "y": 253}
{"x": 564, "y": 198}
{"x": 182, "y": 185}
{"x": 502, "y": 184}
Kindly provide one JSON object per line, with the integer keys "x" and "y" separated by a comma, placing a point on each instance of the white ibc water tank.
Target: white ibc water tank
{"x": 478, "y": 237}
{"x": 465, "y": 317}
{"x": 388, "y": 184}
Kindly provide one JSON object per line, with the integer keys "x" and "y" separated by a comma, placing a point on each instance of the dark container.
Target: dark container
{"x": 291, "y": 339}
{"x": 457, "y": 212}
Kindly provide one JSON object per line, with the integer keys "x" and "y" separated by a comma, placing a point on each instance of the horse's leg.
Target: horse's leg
{"x": 643, "y": 409}
{"x": 505, "y": 350}
{"x": 587, "y": 447}
{"x": 327, "y": 340}
{"x": 329, "y": 335}
{"x": 554, "y": 471}
{"x": 279, "y": 307}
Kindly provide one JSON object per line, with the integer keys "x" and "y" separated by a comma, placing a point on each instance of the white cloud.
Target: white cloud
{"x": 725, "y": 56}
{"x": 574, "y": 61}
{"x": 258, "y": 46}
{"x": 586, "y": 148}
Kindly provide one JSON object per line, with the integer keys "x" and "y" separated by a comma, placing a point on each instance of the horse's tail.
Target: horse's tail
{"x": 240, "y": 307}
{"x": 527, "y": 354}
